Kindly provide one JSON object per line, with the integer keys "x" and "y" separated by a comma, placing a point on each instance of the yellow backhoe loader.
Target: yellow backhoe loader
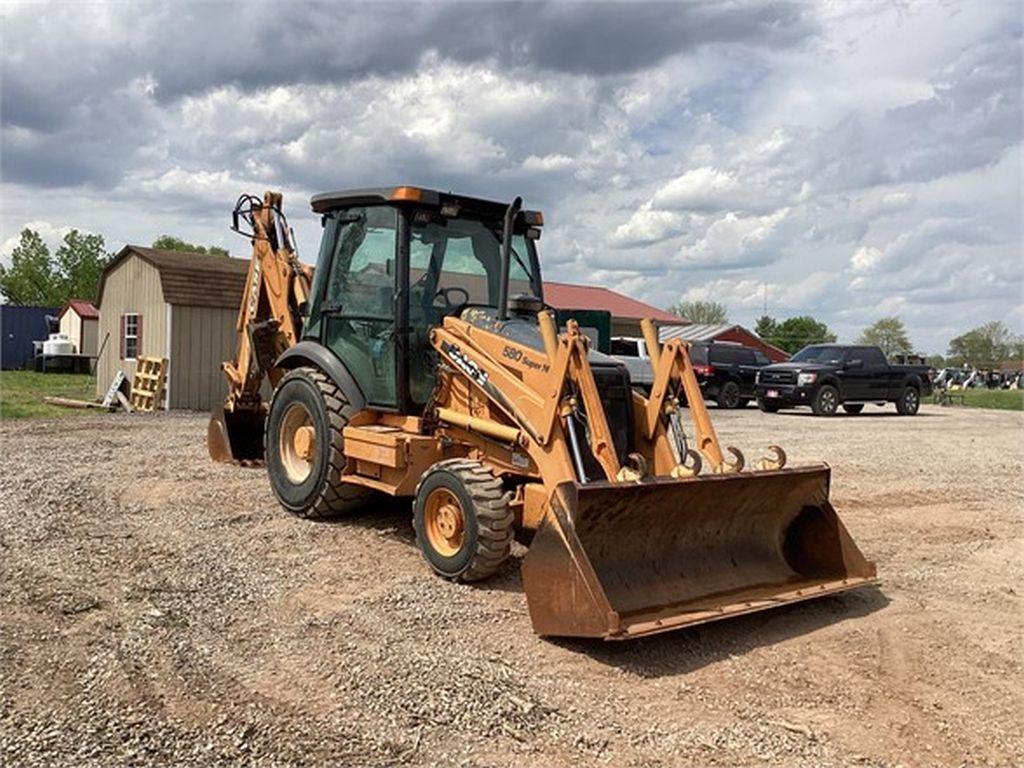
{"x": 421, "y": 361}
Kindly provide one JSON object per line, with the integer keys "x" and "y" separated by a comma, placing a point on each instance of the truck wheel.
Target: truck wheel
{"x": 463, "y": 520}
{"x": 304, "y": 447}
{"x": 909, "y": 402}
{"x": 729, "y": 396}
{"x": 767, "y": 407}
{"x": 826, "y": 401}
{"x": 853, "y": 408}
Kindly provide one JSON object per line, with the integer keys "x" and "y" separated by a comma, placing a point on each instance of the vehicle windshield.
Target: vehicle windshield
{"x": 819, "y": 354}
{"x": 465, "y": 254}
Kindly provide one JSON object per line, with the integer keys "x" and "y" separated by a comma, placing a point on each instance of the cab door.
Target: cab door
{"x": 357, "y": 306}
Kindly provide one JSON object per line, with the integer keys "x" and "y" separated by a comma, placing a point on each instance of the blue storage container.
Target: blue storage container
{"x": 19, "y": 327}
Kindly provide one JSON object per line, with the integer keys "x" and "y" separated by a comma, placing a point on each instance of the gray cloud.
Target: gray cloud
{"x": 692, "y": 149}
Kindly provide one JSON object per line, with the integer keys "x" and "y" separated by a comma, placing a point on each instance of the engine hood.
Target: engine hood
{"x": 523, "y": 329}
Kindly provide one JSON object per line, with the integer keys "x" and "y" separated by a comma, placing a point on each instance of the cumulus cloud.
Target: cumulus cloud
{"x": 677, "y": 149}
{"x": 698, "y": 189}
{"x": 738, "y": 241}
{"x": 647, "y": 225}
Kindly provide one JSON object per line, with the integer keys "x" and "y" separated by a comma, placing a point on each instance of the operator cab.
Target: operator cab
{"x": 395, "y": 261}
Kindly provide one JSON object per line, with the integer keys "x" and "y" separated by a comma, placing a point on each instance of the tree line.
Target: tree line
{"x": 986, "y": 346}
{"x": 37, "y": 277}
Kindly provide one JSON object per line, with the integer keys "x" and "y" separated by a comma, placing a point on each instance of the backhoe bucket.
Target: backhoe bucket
{"x": 235, "y": 436}
{"x": 618, "y": 561}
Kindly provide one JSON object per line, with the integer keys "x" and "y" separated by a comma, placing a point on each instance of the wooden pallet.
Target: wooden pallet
{"x": 148, "y": 383}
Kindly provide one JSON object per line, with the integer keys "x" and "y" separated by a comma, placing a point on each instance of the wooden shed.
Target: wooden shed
{"x": 80, "y": 322}
{"x": 176, "y": 305}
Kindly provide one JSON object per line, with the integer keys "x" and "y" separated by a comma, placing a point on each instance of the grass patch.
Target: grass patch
{"x": 22, "y": 392}
{"x": 1000, "y": 399}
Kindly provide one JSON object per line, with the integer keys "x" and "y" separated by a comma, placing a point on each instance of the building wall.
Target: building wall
{"x": 90, "y": 336}
{"x": 19, "y": 327}
{"x": 84, "y": 333}
{"x": 201, "y": 339}
{"x": 71, "y": 326}
{"x": 132, "y": 286}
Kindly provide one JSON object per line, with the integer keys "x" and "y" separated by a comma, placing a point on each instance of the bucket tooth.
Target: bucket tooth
{"x": 619, "y": 561}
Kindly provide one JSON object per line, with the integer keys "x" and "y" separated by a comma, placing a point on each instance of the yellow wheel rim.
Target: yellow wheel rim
{"x": 297, "y": 443}
{"x": 443, "y": 522}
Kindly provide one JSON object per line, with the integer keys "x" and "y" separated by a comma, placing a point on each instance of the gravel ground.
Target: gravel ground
{"x": 160, "y": 609}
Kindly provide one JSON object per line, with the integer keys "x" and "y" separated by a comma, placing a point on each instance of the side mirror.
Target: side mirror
{"x": 855, "y": 363}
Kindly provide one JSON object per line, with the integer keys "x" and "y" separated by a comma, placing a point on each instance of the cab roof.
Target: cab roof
{"x": 329, "y": 201}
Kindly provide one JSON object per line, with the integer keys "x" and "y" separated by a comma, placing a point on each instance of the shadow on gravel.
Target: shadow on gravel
{"x": 388, "y": 516}
{"x": 687, "y": 650}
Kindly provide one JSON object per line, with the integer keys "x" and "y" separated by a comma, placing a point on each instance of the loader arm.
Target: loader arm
{"x": 642, "y": 549}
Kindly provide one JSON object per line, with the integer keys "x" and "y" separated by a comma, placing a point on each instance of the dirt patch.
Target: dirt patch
{"x": 160, "y": 608}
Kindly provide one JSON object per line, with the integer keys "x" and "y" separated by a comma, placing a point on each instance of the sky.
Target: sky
{"x": 841, "y": 159}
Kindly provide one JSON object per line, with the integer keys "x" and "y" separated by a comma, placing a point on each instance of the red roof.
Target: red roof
{"x": 83, "y": 308}
{"x": 569, "y": 296}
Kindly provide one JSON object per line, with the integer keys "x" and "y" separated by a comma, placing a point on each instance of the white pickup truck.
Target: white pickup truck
{"x": 632, "y": 352}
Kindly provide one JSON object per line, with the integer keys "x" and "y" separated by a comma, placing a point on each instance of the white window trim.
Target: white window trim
{"x": 131, "y": 336}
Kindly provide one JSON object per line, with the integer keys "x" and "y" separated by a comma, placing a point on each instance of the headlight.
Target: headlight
{"x": 803, "y": 379}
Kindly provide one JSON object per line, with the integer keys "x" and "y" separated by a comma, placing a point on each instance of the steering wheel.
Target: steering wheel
{"x": 450, "y": 305}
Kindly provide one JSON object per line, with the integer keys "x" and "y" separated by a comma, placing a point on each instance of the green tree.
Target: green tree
{"x": 79, "y": 262}
{"x": 172, "y": 243}
{"x": 795, "y": 333}
{"x": 766, "y": 327}
{"x": 985, "y": 346}
{"x": 709, "y": 312}
{"x": 889, "y": 334}
{"x": 936, "y": 361}
{"x": 31, "y": 278}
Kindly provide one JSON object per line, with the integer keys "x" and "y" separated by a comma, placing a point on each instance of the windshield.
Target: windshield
{"x": 819, "y": 354}
{"x": 465, "y": 254}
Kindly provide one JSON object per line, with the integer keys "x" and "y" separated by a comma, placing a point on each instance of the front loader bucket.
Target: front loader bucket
{"x": 619, "y": 561}
{"x": 235, "y": 436}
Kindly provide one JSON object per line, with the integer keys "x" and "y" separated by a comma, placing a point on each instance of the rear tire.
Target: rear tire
{"x": 853, "y": 408}
{"x": 463, "y": 520}
{"x": 767, "y": 407}
{"x": 826, "y": 401}
{"x": 729, "y": 395}
{"x": 909, "y": 402}
{"x": 309, "y": 485}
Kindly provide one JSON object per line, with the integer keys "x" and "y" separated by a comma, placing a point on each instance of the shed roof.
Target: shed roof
{"x": 711, "y": 332}
{"x": 571, "y": 296}
{"x": 698, "y": 331}
{"x": 84, "y": 309}
{"x": 188, "y": 278}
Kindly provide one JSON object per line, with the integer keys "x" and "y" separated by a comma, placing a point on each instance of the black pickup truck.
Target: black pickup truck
{"x": 827, "y": 376}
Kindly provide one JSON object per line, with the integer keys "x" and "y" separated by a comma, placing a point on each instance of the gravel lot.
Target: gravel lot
{"x": 158, "y": 608}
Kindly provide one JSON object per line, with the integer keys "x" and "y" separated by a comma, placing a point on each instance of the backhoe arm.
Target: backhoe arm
{"x": 276, "y": 288}
{"x": 269, "y": 321}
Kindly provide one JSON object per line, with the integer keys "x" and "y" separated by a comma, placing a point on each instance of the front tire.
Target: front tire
{"x": 909, "y": 402}
{"x": 729, "y": 396}
{"x": 463, "y": 520}
{"x": 304, "y": 447}
{"x": 826, "y": 401}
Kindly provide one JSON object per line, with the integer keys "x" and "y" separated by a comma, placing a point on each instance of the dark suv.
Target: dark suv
{"x": 727, "y": 372}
